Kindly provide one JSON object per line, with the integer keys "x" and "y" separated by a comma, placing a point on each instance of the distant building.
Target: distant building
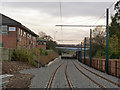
{"x": 15, "y": 35}
{"x": 41, "y": 44}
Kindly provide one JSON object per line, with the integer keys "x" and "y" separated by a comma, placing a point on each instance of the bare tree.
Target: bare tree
{"x": 99, "y": 35}
{"x": 43, "y": 35}
{"x": 98, "y": 41}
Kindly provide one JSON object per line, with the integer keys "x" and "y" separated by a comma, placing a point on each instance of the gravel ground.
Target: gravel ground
{"x": 98, "y": 79}
{"x": 115, "y": 79}
{"x": 42, "y": 75}
{"x": 60, "y": 78}
{"x": 78, "y": 79}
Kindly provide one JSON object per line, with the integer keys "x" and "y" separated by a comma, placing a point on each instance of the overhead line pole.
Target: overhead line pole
{"x": 84, "y": 50}
{"x": 81, "y": 52}
{"x": 81, "y": 25}
{"x": 107, "y": 40}
{"x": 90, "y": 47}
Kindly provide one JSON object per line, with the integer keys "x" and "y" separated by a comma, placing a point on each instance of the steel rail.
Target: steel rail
{"x": 68, "y": 79}
{"x": 52, "y": 77}
{"x": 101, "y": 76}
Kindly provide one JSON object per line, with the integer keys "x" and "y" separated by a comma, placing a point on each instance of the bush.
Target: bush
{"x": 24, "y": 55}
{"x": 100, "y": 53}
{"x": 45, "y": 53}
{"x": 31, "y": 56}
{"x": 41, "y": 51}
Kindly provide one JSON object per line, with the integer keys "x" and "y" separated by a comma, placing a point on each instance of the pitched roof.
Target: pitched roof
{"x": 4, "y": 20}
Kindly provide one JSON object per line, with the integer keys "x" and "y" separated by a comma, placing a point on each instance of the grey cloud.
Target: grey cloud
{"x": 69, "y": 9}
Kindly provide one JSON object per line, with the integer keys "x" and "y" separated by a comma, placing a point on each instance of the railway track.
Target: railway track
{"x": 101, "y": 86}
{"x": 68, "y": 79}
{"x": 49, "y": 85}
{"x": 100, "y": 76}
{"x": 53, "y": 75}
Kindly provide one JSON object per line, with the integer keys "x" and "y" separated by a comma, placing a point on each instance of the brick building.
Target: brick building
{"x": 15, "y": 35}
{"x": 41, "y": 44}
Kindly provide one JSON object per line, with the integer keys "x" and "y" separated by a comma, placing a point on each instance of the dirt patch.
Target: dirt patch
{"x": 46, "y": 59}
{"x": 18, "y": 80}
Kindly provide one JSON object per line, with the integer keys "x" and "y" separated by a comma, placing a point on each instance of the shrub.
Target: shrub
{"x": 45, "y": 53}
{"x": 41, "y": 51}
{"x": 24, "y": 55}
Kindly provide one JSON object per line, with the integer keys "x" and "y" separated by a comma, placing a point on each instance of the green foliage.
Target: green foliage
{"x": 41, "y": 51}
{"x": 114, "y": 34}
{"x": 114, "y": 38}
{"x": 24, "y": 55}
{"x": 45, "y": 53}
{"x": 114, "y": 27}
{"x": 114, "y": 47}
{"x": 51, "y": 45}
{"x": 117, "y": 8}
{"x": 98, "y": 50}
{"x": 101, "y": 53}
{"x": 98, "y": 42}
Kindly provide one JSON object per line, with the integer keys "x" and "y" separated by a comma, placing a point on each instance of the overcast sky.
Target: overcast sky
{"x": 43, "y": 16}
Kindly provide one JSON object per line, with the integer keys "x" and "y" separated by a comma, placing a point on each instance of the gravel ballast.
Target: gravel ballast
{"x": 110, "y": 77}
{"x": 43, "y": 74}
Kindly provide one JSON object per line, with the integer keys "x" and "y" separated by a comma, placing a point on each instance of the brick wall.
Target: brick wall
{"x": 10, "y": 40}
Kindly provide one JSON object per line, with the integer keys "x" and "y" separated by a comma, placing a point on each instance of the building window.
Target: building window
{"x": 30, "y": 36}
{"x": 39, "y": 43}
{"x": 19, "y": 31}
{"x": 27, "y": 46}
{"x": 19, "y": 46}
{"x": 24, "y": 46}
{"x": 27, "y": 35}
{"x": 4, "y": 30}
{"x": 42, "y": 42}
{"x": 24, "y": 34}
{"x": 1, "y": 44}
{"x": 34, "y": 38}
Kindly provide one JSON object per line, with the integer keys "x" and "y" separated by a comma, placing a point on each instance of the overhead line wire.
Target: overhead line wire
{"x": 105, "y": 12}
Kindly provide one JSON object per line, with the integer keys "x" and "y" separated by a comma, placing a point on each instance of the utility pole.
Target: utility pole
{"x": 81, "y": 51}
{"x": 107, "y": 39}
{"x": 39, "y": 59}
{"x": 84, "y": 50}
{"x": 90, "y": 47}
{"x": 55, "y": 34}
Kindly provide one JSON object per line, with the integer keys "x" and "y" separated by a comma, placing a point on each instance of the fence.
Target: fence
{"x": 5, "y": 53}
{"x": 99, "y": 64}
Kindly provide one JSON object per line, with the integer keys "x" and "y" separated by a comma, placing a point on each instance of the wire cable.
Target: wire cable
{"x": 61, "y": 19}
{"x": 105, "y": 12}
